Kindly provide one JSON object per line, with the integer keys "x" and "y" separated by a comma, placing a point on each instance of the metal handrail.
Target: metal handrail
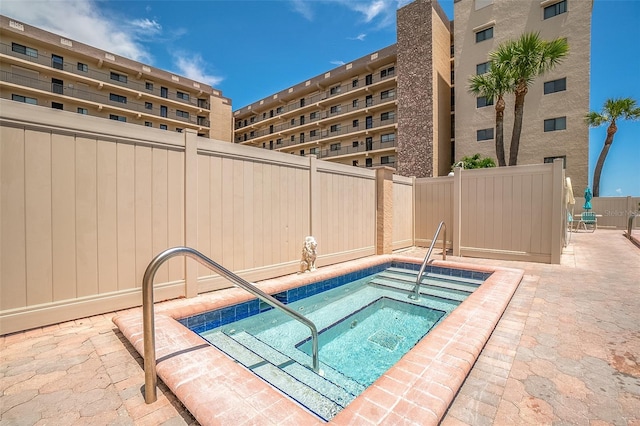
{"x": 150, "y": 376}
{"x": 415, "y": 293}
{"x": 630, "y": 223}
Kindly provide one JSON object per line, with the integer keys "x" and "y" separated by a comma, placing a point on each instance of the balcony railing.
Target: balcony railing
{"x": 348, "y": 149}
{"x": 320, "y": 97}
{"x": 70, "y": 91}
{"x": 325, "y": 134}
{"x": 103, "y": 76}
{"x": 323, "y": 115}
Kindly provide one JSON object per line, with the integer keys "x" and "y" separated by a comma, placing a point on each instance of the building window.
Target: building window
{"x": 148, "y": 85}
{"x": 388, "y": 94}
{"x": 334, "y": 90}
{"x": 179, "y": 130}
{"x": 279, "y": 110}
{"x": 553, "y": 124}
{"x": 163, "y": 111}
{"x": 368, "y": 143}
{"x": 354, "y": 163}
{"x": 368, "y": 100}
{"x": 57, "y": 62}
{"x": 553, "y": 86}
{"x": 384, "y": 160}
{"x": 483, "y": 101}
{"x": 182, "y": 95}
{"x": 82, "y": 67}
{"x": 148, "y": 124}
{"x": 301, "y": 120}
{"x": 164, "y": 92}
{"x": 57, "y": 86}
{"x": 278, "y": 141}
{"x": 368, "y": 79}
{"x": 368, "y": 162}
{"x": 82, "y": 111}
{"x": 482, "y": 68}
{"x": 335, "y": 109}
{"x": 292, "y": 122}
{"x": 117, "y": 117}
{"x": 301, "y": 102}
{"x": 292, "y": 138}
{"x": 335, "y": 147}
{"x": 314, "y": 115}
{"x": 354, "y": 103}
{"x": 389, "y": 137}
{"x": 387, "y": 72}
{"x": 163, "y": 127}
{"x": 484, "y": 35}
{"x": 183, "y": 114}
{"x": 355, "y": 144}
{"x": 56, "y": 105}
{"x": 302, "y": 152}
{"x": 118, "y": 77}
{"x": 148, "y": 105}
{"x": 555, "y": 9}
{"x": 354, "y": 83}
{"x": 368, "y": 122}
{"x": 117, "y": 98}
{"x": 484, "y": 134}
{"x": 301, "y": 137}
{"x": 313, "y": 150}
{"x": 354, "y": 123}
{"x": 550, "y": 160}
{"x": 335, "y": 127}
{"x": 313, "y": 133}
{"x": 387, "y": 116}
{"x": 18, "y": 48}
{"x": 25, "y": 99}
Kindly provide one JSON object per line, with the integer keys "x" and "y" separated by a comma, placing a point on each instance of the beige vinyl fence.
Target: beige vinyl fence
{"x": 614, "y": 211}
{"x": 85, "y": 204}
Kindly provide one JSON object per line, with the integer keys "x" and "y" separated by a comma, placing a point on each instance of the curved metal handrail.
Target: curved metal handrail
{"x": 150, "y": 375}
{"x": 415, "y": 293}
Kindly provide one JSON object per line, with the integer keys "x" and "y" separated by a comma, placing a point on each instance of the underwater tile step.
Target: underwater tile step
{"x": 303, "y": 394}
{"x": 425, "y": 290}
{"x": 333, "y": 385}
{"x": 441, "y": 276}
{"x": 465, "y": 284}
{"x": 461, "y": 289}
{"x": 319, "y": 404}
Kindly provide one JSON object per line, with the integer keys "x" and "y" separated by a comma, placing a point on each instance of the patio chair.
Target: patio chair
{"x": 588, "y": 219}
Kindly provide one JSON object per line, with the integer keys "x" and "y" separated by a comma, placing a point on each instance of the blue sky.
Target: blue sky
{"x": 233, "y": 46}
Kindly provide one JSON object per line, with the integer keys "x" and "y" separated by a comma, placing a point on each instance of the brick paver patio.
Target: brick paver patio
{"x": 566, "y": 351}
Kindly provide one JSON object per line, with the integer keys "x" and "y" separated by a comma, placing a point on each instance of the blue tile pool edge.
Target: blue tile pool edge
{"x": 215, "y": 318}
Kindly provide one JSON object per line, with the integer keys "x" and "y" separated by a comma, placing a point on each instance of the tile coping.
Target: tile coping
{"x": 418, "y": 389}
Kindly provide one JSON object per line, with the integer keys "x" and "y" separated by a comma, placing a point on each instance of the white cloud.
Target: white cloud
{"x": 619, "y": 191}
{"x": 83, "y": 21}
{"x": 337, "y": 63}
{"x": 303, "y": 8}
{"x": 359, "y": 37}
{"x": 193, "y": 67}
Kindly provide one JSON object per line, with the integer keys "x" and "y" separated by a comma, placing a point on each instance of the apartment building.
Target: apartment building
{"x": 556, "y": 103}
{"x": 42, "y": 68}
{"x": 376, "y": 110}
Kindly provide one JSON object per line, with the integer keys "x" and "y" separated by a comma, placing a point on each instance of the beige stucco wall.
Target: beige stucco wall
{"x": 510, "y": 19}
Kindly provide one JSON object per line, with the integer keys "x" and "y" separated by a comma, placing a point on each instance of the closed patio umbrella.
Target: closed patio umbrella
{"x": 587, "y": 199}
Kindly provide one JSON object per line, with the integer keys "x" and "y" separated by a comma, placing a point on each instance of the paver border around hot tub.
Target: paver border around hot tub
{"x": 418, "y": 389}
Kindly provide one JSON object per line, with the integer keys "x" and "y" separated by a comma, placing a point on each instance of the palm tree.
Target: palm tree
{"x": 613, "y": 110}
{"x": 493, "y": 85}
{"x": 525, "y": 59}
